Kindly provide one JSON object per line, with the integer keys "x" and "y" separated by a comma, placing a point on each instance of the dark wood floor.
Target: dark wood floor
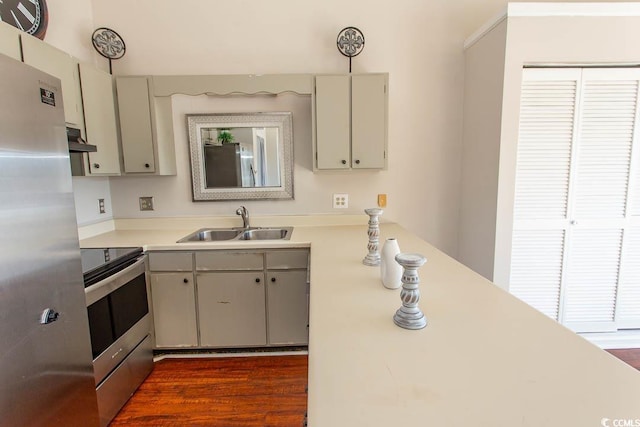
{"x": 631, "y": 356}
{"x": 265, "y": 391}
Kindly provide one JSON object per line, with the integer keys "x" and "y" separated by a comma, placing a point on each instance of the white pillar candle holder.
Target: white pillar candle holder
{"x": 373, "y": 257}
{"x": 409, "y": 316}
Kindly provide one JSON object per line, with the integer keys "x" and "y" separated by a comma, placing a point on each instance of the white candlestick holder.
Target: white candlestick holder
{"x": 409, "y": 316}
{"x": 373, "y": 257}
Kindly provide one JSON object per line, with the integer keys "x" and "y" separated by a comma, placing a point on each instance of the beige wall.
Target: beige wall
{"x": 70, "y": 27}
{"x": 420, "y": 43}
{"x": 484, "y": 73}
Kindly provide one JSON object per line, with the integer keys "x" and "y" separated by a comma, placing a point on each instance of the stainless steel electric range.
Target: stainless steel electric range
{"x": 119, "y": 324}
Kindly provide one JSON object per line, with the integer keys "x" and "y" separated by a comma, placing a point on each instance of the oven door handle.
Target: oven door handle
{"x": 104, "y": 287}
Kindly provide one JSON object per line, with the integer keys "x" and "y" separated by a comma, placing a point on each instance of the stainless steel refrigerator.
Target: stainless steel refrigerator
{"x": 46, "y": 374}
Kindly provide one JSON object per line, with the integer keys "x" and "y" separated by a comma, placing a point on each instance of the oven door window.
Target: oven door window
{"x": 100, "y": 326}
{"x": 113, "y": 315}
{"x": 128, "y": 305}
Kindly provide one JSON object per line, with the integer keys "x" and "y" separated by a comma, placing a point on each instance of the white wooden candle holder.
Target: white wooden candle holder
{"x": 409, "y": 316}
{"x": 373, "y": 257}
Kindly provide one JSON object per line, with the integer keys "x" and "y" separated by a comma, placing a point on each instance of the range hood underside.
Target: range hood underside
{"x": 76, "y": 147}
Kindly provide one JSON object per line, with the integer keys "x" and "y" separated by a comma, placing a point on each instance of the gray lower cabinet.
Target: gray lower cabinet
{"x": 251, "y": 298}
{"x": 231, "y": 309}
{"x": 288, "y": 302}
{"x": 174, "y": 310}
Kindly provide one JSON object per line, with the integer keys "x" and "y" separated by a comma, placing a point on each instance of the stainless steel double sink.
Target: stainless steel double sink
{"x": 222, "y": 234}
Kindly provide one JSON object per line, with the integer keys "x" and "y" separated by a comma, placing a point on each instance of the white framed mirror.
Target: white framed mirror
{"x": 241, "y": 156}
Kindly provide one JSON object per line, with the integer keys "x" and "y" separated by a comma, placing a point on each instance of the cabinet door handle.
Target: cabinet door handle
{"x": 147, "y": 165}
{"x": 357, "y": 162}
{"x": 273, "y": 279}
{"x": 185, "y": 280}
{"x": 344, "y": 162}
{"x": 96, "y": 165}
{"x": 257, "y": 280}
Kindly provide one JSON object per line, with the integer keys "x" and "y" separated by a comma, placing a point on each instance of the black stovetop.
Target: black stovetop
{"x": 98, "y": 264}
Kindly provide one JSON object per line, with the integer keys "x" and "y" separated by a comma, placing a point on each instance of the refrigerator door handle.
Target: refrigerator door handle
{"x": 49, "y": 315}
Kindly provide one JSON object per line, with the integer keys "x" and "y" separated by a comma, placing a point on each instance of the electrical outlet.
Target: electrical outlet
{"x": 101, "y": 206}
{"x": 340, "y": 201}
{"x": 382, "y": 200}
{"x": 146, "y": 203}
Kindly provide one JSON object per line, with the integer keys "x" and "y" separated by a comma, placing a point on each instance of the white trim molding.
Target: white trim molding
{"x": 553, "y": 9}
{"x": 573, "y": 9}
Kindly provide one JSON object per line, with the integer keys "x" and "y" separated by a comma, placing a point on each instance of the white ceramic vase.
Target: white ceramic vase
{"x": 390, "y": 270}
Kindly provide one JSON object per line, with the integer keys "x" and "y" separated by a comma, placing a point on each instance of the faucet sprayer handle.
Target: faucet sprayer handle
{"x": 242, "y": 211}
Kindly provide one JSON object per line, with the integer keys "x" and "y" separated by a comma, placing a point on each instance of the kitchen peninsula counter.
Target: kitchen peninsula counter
{"x": 485, "y": 359}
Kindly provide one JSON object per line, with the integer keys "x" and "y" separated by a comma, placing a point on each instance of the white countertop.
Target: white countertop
{"x": 485, "y": 359}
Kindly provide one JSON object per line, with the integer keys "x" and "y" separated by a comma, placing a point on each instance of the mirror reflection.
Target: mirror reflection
{"x": 241, "y": 156}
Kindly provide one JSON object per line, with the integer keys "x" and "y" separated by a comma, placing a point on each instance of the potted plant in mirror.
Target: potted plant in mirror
{"x": 225, "y": 137}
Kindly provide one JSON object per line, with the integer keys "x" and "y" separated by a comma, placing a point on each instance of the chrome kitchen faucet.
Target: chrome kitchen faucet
{"x": 242, "y": 211}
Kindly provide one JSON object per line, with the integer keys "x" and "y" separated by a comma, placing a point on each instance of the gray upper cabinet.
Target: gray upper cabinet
{"x": 135, "y": 124}
{"x": 59, "y": 64}
{"x": 10, "y": 41}
{"x": 87, "y": 95}
{"x": 350, "y": 121}
{"x": 332, "y": 122}
{"x": 368, "y": 121}
{"x": 146, "y": 127}
{"x": 100, "y": 120}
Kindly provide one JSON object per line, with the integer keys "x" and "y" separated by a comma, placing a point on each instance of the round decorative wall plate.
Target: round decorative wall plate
{"x": 29, "y": 16}
{"x": 108, "y": 43}
{"x": 350, "y": 41}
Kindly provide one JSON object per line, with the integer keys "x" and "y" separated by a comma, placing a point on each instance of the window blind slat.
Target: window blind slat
{"x": 607, "y": 123}
{"x": 628, "y": 313}
{"x": 536, "y": 268}
{"x": 544, "y": 149}
{"x": 591, "y": 280}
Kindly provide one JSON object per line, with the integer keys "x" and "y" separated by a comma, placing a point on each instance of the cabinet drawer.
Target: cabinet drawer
{"x": 277, "y": 260}
{"x": 170, "y": 261}
{"x": 229, "y": 260}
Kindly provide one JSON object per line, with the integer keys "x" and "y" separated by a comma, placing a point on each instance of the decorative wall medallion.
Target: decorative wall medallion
{"x": 29, "y": 16}
{"x": 350, "y": 42}
{"x": 109, "y": 44}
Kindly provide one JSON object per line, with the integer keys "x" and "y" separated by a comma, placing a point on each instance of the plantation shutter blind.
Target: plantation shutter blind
{"x": 607, "y": 117}
{"x": 628, "y": 308}
{"x": 547, "y": 126}
{"x": 576, "y": 247}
